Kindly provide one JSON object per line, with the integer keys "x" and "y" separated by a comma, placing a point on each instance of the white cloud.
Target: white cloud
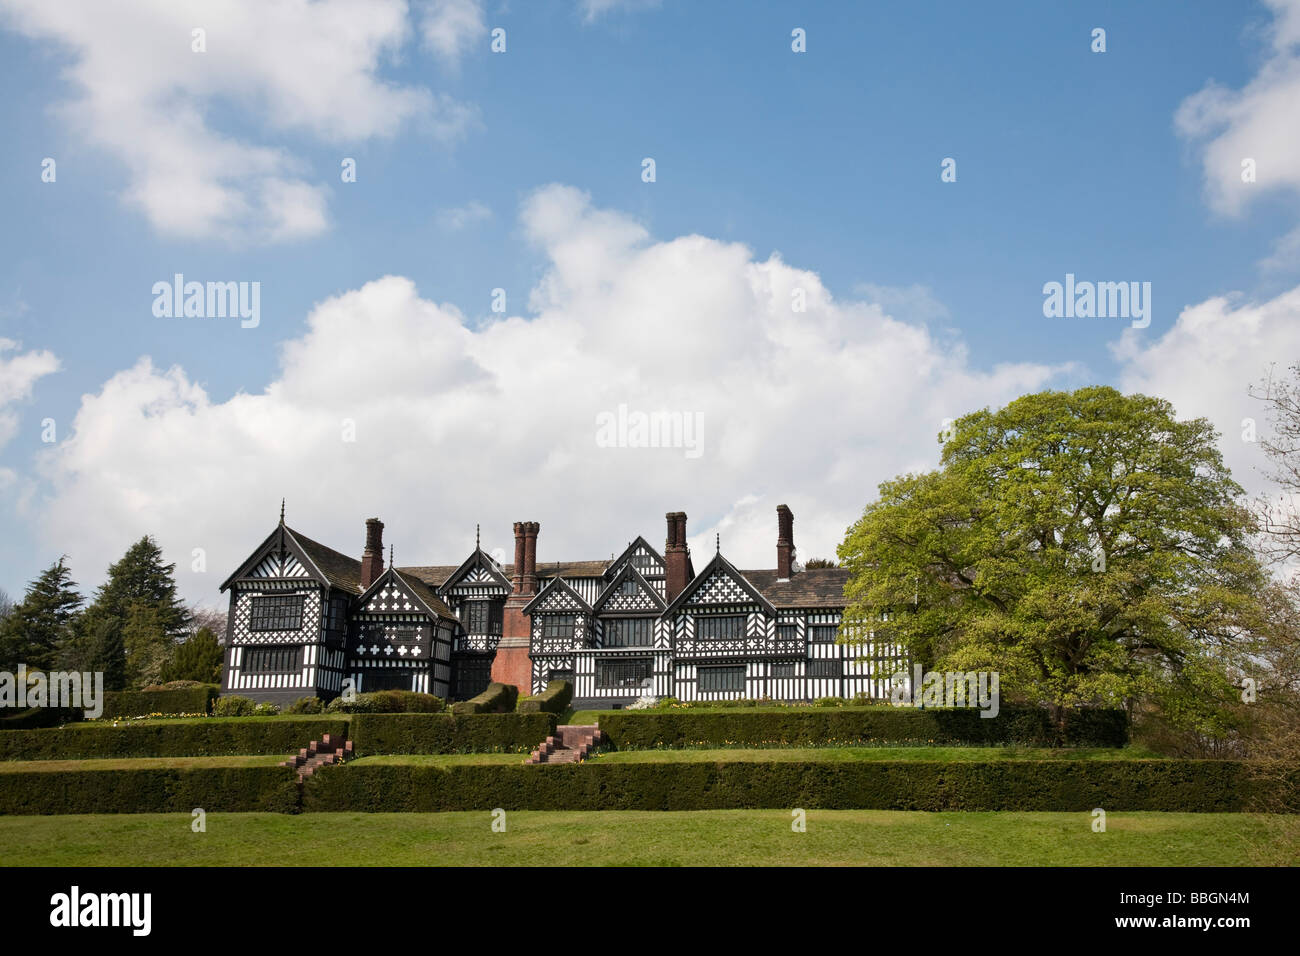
{"x": 457, "y": 218}
{"x": 19, "y": 374}
{"x": 457, "y": 425}
{"x": 293, "y": 67}
{"x": 1257, "y": 122}
{"x": 594, "y": 9}
{"x": 1204, "y": 365}
{"x": 451, "y": 27}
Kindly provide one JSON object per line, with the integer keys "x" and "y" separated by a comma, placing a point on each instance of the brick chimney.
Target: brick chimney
{"x": 784, "y": 542}
{"x": 372, "y": 559}
{"x": 677, "y": 556}
{"x": 512, "y": 665}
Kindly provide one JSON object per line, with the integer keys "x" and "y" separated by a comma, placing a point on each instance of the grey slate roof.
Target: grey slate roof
{"x": 816, "y": 587}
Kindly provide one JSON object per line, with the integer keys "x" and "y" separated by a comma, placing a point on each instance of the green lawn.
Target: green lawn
{"x": 440, "y": 760}
{"x": 138, "y": 763}
{"x": 706, "y": 838}
{"x": 855, "y": 754}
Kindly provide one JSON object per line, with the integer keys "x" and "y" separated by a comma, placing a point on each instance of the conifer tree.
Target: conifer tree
{"x": 38, "y": 628}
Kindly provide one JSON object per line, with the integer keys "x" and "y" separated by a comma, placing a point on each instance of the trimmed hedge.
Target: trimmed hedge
{"x": 40, "y": 717}
{"x": 138, "y": 703}
{"x": 198, "y": 738}
{"x": 650, "y": 729}
{"x": 1054, "y": 785}
{"x": 161, "y": 790}
{"x": 388, "y": 702}
{"x": 554, "y": 700}
{"x": 449, "y": 733}
{"x": 497, "y": 699}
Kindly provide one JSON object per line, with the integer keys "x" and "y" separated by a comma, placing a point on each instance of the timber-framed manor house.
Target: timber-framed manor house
{"x": 304, "y": 618}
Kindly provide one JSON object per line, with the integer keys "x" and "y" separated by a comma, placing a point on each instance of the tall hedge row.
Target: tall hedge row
{"x": 639, "y": 730}
{"x": 449, "y": 733}
{"x": 154, "y": 790}
{"x": 1055, "y": 785}
{"x": 498, "y": 698}
{"x": 198, "y": 738}
{"x": 140, "y": 703}
{"x": 554, "y": 700}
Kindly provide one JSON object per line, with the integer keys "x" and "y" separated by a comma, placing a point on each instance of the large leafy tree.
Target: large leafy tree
{"x": 36, "y": 630}
{"x": 1086, "y": 545}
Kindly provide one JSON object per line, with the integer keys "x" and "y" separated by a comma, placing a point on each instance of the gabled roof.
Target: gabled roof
{"x": 323, "y": 564}
{"x": 813, "y": 587}
{"x": 477, "y": 559}
{"x": 626, "y": 556}
{"x": 556, "y": 584}
{"x": 569, "y": 569}
{"x": 721, "y": 564}
{"x": 423, "y": 594}
{"x": 627, "y": 573}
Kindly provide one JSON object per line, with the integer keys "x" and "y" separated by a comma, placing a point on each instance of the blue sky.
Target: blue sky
{"x": 1067, "y": 161}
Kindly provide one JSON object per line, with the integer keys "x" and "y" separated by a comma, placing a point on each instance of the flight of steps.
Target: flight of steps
{"x": 330, "y": 749}
{"x": 571, "y": 743}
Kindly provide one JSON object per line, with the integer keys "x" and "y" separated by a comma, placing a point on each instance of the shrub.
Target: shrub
{"x": 554, "y": 700}
{"x": 497, "y": 699}
{"x": 191, "y": 738}
{"x": 306, "y": 705}
{"x": 192, "y": 698}
{"x": 1028, "y": 785}
{"x": 388, "y": 702}
{"x": 871, "y": 725}
{"x": 449, "y": 733}
{"x": 829, "y": 702}
{"x": 150, "y": 790}
{"x": 234, "y": 706}
{"x": 265, "y": 710}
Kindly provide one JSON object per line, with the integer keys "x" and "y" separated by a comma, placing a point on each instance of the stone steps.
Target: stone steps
{"x": 571, "y": 743}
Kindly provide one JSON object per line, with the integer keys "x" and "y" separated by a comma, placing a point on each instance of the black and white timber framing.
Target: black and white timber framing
{"x": 301, "y": 624}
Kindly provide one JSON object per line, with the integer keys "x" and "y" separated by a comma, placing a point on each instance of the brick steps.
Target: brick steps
{"x": 571, "y": 743}
{"x": 330, "y": 749}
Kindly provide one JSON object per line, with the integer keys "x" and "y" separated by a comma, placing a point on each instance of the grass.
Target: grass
{"x": 137, "y": 763}
{"x": 855, "y": 754}
{"x": 441, "y": 760}
{"x": 699, "y": 838}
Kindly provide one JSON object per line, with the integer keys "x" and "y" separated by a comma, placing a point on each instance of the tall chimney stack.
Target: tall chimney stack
{"x": 517, "y": 575}
{"x": 676, "y": 556}
{"x": 784, "y": 542}
{"x": 529, "y": 582}
{"x": 372, "y": 558}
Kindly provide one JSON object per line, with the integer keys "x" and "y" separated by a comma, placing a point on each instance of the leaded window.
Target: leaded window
{"x": 271, "y": 660}
{"x": 822, "y": 634}
{"x": 629, "y": 674}
{"x": 826, "y": 668}
{"x": 276, "y": 612}
{"x": 720, "y": 628}
{"x": 721, "y": 679}
{"x": 558, "y": 625}
{"x": 630, "y": 632}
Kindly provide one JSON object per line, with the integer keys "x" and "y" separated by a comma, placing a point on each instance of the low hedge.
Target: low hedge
{"x": 650, "y": 729}
{"x": 156, "y": 790}
{"x": 198, "y": 738}
{"x": 388, "y": 702}
{"x": 554, "y": 700}
{"x": 140, "y": 703}
{"x": 449, "y": 733}
{"x": 497, "y": 699}
{"x": 1054, "y": 785}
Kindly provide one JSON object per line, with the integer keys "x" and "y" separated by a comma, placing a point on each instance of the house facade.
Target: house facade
{"x": 306, "y": 620}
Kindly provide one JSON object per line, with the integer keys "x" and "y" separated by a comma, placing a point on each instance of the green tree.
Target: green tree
{"x": 36, "y": 629}
{"x": 136, "y": 617}
{"x": 1086, "y": 545}
{"x": 198, "y": 658}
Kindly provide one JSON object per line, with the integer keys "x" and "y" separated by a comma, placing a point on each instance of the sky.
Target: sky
{"x": 831, "y": 251}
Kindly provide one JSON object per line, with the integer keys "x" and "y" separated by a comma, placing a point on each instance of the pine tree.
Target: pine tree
{"x": 136, "y": 618}
{"x": 38, "y": 628}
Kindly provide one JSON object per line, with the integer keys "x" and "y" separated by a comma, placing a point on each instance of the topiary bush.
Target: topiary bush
{"x": 554, "y": 700}
{"x": 497, "y": 699}
{"x": 175, "y": 699}
{"x": 306, "y": 705}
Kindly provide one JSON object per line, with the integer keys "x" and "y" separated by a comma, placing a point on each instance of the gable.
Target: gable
{"x": 720, "y": 584}
{"x": 475, "y": 573}
{"x": 557, "y": 596}
{"x": 396, "y": 593}
{"x": 629, "y": 592}
{"x": 279, "y": 556}
{"x": 648, "y": 562}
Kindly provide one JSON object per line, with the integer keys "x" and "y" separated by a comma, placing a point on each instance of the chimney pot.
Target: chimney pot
{"x": 784, "y": 542}
{"x": 677, "y": 555}
{"x": 372, "y": 558}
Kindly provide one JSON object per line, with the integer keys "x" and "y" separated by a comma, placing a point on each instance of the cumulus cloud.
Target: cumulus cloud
{"x": 458, "y": 421}
{"x": 458, "y": 217}
{"x": 592, "y": 10}
{"x": 1206, "y": 363}
{"x": 451, "y": 27}
{"x": 19, "y": 374}
{"x": 297, "y": 67}
{"x": 1257, "y": 122}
